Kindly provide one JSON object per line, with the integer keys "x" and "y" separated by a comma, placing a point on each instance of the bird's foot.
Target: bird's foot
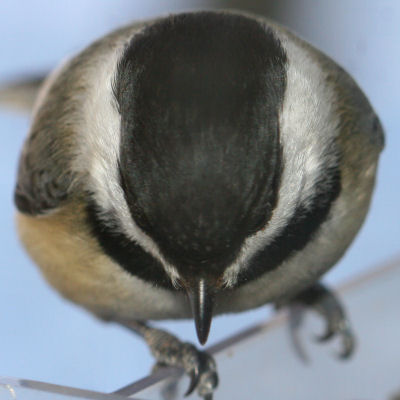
{"x": 168, "y": 350}
{"x": 326, "y": 304}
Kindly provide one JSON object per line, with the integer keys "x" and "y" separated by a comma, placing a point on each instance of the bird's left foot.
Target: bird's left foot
{"x": 170, "y": 351}
{"x": 326, "y": 304}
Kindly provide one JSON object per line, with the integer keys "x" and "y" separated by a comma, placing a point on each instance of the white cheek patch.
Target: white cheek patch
{"x": 307, "y": 129}
{"x": 97, "y": 160}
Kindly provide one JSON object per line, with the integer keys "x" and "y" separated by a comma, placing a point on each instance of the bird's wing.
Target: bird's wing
{"x": 44, "y": 173}
{"x": 44, "y": 178}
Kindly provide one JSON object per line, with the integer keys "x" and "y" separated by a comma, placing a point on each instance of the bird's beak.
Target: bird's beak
{"x": 201, "y": 295}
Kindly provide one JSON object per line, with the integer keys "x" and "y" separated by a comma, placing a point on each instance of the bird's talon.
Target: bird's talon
{"x": 194, "y": 381}
{"x": 343, "y": 331}
{"x": 328, "y": 306}
{"x": 201, "y": 369}
{"x": 324, "y": 337}
{"x": 348, "y": 345}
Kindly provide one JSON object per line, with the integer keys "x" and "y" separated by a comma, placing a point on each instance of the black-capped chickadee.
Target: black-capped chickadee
{"x": 193, "y": 165}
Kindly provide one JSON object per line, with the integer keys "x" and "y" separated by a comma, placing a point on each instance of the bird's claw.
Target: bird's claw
{"x": 328, "y": 306}
{"x": 194, "y": 381}
{"x": 342, "y": 330}
{"x": 201, "y": 369}
{"x": 339, "y": 326}
{"x": 168, "y": 350}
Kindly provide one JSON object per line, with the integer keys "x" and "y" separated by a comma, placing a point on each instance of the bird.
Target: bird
{"x": 192, "y": 165}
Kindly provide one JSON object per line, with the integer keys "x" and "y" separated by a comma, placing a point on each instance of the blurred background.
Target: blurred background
{"x": 45, "y": 338}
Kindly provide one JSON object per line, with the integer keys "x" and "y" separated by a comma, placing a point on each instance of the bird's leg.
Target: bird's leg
{"x": 326, "y": 304}
{"x": 169, "y": 350}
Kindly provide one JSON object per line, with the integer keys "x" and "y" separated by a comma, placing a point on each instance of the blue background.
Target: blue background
{"x": 46, "y": 338}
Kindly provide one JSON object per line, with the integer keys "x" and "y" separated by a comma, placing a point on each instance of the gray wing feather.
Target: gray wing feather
{"x": 46, "y": 177}
{"x": 42, "y": 185}
{"x": 44, "y": 171}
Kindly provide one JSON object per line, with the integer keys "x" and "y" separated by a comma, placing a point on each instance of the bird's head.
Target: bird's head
{"x": 211, "y": 152}
{"x": 199, "y": 97}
